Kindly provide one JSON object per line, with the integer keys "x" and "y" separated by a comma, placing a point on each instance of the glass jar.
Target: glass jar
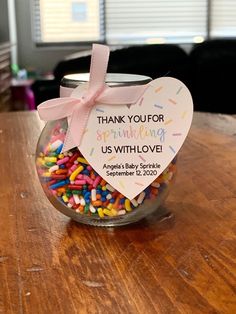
{"x": 89, "y": 199}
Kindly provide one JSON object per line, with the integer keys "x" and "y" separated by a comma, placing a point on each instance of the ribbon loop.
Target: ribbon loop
{"x": 78, "y": 107}
{"x": 98, "y": 68}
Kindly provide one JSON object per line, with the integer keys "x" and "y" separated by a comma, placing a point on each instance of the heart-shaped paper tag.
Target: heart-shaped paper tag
{"x": 130, "y": 146}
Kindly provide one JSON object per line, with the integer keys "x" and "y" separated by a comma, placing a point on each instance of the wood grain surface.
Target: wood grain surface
{"x": 180, "y": 260}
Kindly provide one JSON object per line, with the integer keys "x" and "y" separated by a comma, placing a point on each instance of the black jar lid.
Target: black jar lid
{"x": 112, "y": 79}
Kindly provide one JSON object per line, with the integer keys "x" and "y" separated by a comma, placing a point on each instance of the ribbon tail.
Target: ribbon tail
{"x": 57, "y": 108}
{"x": 76, "y": 129}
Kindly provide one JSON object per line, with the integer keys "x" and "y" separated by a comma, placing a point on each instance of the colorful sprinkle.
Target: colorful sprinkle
{"x": 184, "y": 114}
{"x": 144, "y": 160}
{"x": 179, "y": 90}
{"x": 158, "y": 106}
{"x": 99, "y": 110}
{"x": 128, "y": 205}
{"x": 111, "y": 158}
{"x": 172, "y": 149}
{"x": 121, "y": 184}
{"x": 172, "y": 101}
{"x": 70, "y": 179}
{"x": 177, "y": 134}
{"x": 141, "y": 197}
{"x": 168, "y": 121}
{"x": 157, "y": 90}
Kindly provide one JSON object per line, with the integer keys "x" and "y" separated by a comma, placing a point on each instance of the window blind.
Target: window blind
{"x": 139, "y": 21}
{"x": 35, "y": 8}
{"x": 67, "y": 20}
{"x": 223, "y": 18}
{"x": 132, "y": 21}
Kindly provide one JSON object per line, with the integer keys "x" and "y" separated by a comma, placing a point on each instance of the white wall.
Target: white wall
{"x": 4, "y": 29}
{"x": 12, "y": 30}
{"x": 29, "y": 55}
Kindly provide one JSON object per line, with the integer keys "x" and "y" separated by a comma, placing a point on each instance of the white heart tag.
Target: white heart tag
{"x": 130, "y": 146}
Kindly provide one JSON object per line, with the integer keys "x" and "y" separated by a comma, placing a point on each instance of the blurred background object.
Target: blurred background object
{"x": 213, "y": 64}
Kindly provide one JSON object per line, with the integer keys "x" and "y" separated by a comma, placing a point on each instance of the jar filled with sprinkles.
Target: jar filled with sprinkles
{"x": 74, "y": 187}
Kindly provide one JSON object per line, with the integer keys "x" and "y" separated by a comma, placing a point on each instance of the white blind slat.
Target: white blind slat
{"x": 67, "y": 20}
{"x": 140, "y": 21}
{"x": 223, "y": 18}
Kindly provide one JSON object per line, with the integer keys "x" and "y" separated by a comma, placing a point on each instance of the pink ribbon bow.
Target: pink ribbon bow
{"x": 78, "y": 107}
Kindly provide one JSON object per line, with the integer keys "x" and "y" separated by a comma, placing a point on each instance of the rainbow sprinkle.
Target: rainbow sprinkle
{"x": 172, "y": 149}
{"x": 142, "y": 158}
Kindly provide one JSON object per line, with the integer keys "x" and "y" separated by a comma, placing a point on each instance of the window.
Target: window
{"x": 67, "y": 21}
{"x": 133, "y": 21}
{"x": 138, "y": 21}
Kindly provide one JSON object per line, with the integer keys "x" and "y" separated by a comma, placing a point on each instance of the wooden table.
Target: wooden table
{"x": 181, "y": 260}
